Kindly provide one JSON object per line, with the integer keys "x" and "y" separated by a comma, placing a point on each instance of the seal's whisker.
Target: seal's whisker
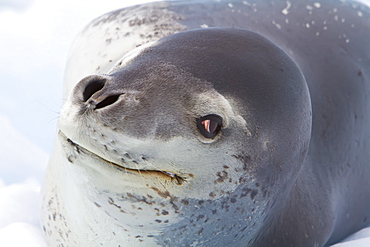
{"x": 127, "y": 173}
{"x": 139, "y": 170}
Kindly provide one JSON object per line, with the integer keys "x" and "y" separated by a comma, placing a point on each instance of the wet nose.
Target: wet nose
{"x": 93, "y": 92}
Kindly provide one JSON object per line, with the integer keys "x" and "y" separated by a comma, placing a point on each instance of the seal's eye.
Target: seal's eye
{"x": 209, "y": 125}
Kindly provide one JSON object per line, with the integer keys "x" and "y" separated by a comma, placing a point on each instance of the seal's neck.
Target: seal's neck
{"x": 305, "y": 215}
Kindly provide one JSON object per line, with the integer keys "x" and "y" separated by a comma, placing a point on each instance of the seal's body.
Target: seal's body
{"x": 251, "y": 131}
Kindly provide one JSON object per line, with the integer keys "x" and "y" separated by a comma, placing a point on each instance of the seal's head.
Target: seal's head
{"x": 201, "y": 133}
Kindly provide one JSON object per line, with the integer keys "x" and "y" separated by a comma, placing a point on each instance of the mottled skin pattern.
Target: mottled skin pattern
{"x": 290, "y": 166}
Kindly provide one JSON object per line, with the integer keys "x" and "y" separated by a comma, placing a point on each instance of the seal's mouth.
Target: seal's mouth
{"x": 179, "y": 180}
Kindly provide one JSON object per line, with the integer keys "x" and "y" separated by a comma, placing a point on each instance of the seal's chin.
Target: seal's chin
{"x": 179, "y": 180}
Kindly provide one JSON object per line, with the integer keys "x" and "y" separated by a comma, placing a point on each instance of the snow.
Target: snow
{"x": 38, "y": 35}
{"x": 32, "y": 160}
{"x": 21, "y": 234}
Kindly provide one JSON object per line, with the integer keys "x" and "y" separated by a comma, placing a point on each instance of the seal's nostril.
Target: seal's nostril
{"x": 94, "y": 85}
{"x": 107, "y": 101}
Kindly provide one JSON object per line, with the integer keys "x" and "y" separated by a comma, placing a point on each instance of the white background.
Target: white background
{"x": 34, "y": 40}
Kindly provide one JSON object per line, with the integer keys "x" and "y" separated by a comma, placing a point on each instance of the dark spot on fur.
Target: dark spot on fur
{"x": 212, "y": 195}
{"x": 221, "y": 177}
{"x": 158, "y": 221}
{"x": 185, "y": 202}
{"x": 246, "y": 159}
{"x": 242, "y": 180}
{"x": 244, "y": 228}
{"x": 201, "y": 216}
{"x": 245, "y": 192}
{"x": 253, "y": 194}
{"x": 139, "y": 198}
{"x": 163, "y": 194}
{"x": 164, "y": 212}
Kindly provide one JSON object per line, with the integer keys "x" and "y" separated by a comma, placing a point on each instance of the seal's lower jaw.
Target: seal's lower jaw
{"x": 78, "y": 150}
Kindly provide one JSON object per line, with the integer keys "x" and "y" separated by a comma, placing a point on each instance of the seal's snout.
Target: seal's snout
{"x": 91, "y": 91}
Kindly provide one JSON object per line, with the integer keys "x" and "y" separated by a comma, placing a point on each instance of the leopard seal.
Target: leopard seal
{"x": 252, "y": 131}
